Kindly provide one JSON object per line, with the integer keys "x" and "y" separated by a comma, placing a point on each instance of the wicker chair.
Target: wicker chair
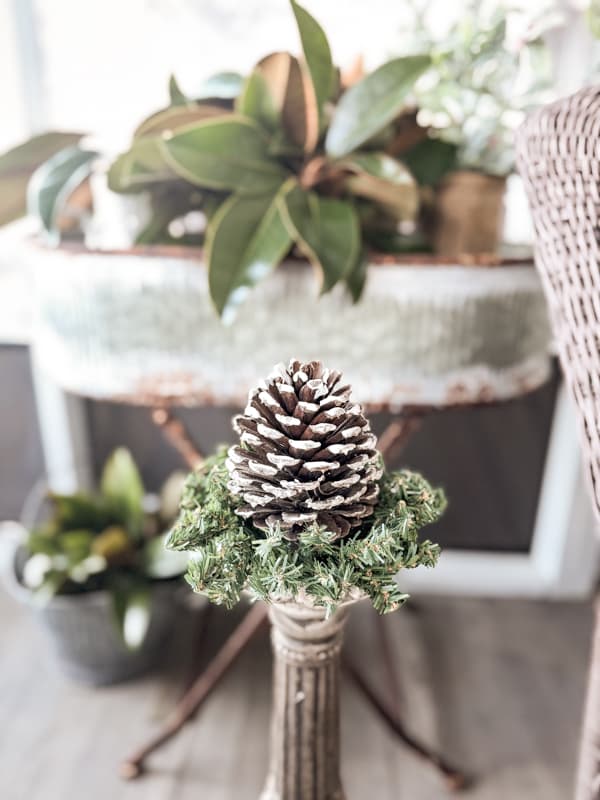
{"x": 559, "y": 160}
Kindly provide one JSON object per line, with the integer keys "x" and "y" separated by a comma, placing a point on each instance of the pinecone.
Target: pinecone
{"x": 307, "y": 454}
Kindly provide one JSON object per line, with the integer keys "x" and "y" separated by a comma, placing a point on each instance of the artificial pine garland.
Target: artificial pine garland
{"x": 348, "y": 548}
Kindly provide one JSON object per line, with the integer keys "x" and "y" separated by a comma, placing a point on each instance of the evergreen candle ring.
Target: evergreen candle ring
{"x": 302, "y": 506}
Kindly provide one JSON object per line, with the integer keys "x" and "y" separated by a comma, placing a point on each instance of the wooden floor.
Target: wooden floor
{"x": 497, "y": 685}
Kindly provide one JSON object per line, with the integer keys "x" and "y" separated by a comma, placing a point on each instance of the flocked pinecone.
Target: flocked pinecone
{"x": 307, "y": 454}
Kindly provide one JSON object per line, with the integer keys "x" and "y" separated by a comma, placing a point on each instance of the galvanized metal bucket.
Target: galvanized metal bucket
{"x": 82, "y": 632}
{"x": 139, "y": 326}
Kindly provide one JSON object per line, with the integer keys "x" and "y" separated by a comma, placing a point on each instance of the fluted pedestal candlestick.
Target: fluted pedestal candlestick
{"x": 305, "y": 722}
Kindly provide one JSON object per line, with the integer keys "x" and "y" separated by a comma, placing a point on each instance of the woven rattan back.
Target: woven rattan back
{"x": 559, "y": 160}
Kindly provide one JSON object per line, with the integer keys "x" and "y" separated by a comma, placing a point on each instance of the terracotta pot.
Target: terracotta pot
{"x": 305, "y": 721}
{"x": 468, "y": 214}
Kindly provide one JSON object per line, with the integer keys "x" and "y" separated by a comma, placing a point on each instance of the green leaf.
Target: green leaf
{"x": 385, "y": 180}
{"x": 18, "y": 164}
{"x": 131, "y": 602}
{"x": 76, "y": 544}
{"x": 225, "y": 153}
{"x": 25, "y": 157}
{"x": 121, "y": 484}
{"x": 170, "y": 495}
{"x": 80, "y": 511}
{"x": 373, "y": 102}
{"x": 246, "y": 240}
{"x": 294, "y": 98}
{"x": 257, "y": 103}
{"x": 160, "y": 563}
{"x": 592, "y": 16}
{"x": 356, "y": 280}
{"x": 113, "y": 544}
{"x": 171, "y": 200}
{"x": 327, "y": 231}
{"x": 54, "y": 181}
{"x": 223, "y": 86}
{"x": 430, "y": 160}
{"x": 169, "y": 119}
{"x": 42, "y": 541}
{"x": 317, "y": 55}
{"x": 141, "y": 166}
{"x": 176, "y": 96}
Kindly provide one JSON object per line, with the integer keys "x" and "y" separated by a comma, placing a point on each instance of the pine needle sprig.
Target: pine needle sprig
{"x": 232, "y": 556}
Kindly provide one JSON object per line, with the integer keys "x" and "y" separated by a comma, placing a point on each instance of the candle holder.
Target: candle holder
{"x": 305, "y": 720}
{"x": 302, "y": 514}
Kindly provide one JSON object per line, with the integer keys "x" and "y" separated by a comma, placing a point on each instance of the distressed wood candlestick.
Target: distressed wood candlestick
{"x": 305, "y": 721}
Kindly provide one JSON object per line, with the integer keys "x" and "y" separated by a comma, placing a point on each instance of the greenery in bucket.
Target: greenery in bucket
{"x": 112, "y": 540}
{"x": 283, "y": 158}
{"x": 287, "y": 159}
{"x": 295, "y": 159}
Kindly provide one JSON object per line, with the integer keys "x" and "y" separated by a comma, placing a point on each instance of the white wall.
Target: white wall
{"x": 106, "y": 64}
{"x": 14, "y": 123}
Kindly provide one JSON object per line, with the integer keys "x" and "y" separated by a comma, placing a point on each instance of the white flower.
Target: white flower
{"x": 35, "y": 570}
{"x": 94, "y": 564}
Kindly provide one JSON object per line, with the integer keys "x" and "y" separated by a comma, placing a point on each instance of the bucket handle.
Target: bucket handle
{"x": 13, "y": 535}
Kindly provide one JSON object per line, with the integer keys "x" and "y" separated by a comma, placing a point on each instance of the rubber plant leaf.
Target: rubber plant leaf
{"x": 169, "y": 119}
{"x": 245, "y": 241}
{"x": 294, "y": 98}
{"x": 256, "y": 102}
{"x": 355, "y": 282}
{"x": 131, "y": 603}
{"x": 430, "y": 160}
{"x": 369, "y": 105}
{"x": 122, "y": 486}
{"x": 172, "y": 200}
{"x": 176, "y": 96}
{"x": 54, "y": 181}
{"x": 317, "y": 55}
{"x": 228, "y": 153}
{"x": 326, "y": 231}
{"x": 19, "y": 163}
{"x": 139, "y": 167}
{"x": 383, "y": 179}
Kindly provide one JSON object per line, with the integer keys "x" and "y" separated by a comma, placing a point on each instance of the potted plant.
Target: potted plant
{"x": 488, "y": 68}
{"x": 96, "y": 574}
{"x": 285, "y": 167}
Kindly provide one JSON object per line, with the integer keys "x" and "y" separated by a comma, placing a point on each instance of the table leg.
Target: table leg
{"x": 64, "y": 434}
{"x": 454, "y": 778}
{"x": 204, "y": 684}
{"x": 393, "y": 438}
{"x": 391, "y": 442}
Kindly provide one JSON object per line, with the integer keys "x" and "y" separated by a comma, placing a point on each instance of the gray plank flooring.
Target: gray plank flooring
{"x": 497, "y": 685}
